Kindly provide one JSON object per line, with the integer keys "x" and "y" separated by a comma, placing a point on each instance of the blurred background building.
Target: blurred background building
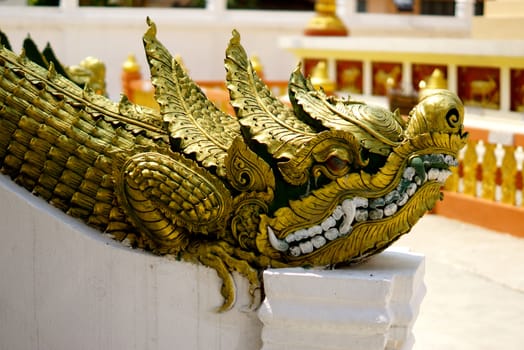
{"x": 199, "y": 30}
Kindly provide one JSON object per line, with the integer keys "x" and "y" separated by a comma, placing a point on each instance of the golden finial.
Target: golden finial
{"x": 320, "y": 78}
{"x": 130, "y": 73}
{"x": 90, "y": 71}
{"x": 390, "y": 83}
{"x": 130, "y": 64}
{"x": 435, "y": 81}
{"x": 326, "y": 21}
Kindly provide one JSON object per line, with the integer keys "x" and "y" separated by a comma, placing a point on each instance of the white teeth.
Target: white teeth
{"x": 348, "y": 206}
{"x": 332, "y": 233}
{"x": 306, "y": 247}
{"x": 403, "y": 200}
{"x": 409, "y": 172}
{"x": 318, "y": 241}
{"x": 361, "y": 215}
{"x": 376, "y": 214}
{"x": 450, "y": 160}
{"x": 338, "y": 212}
{"x": 390, "y": 209}
{"x": 328, "y": 223}
{"x": 377, "y": 202}
{"x": 315, "y": 230}
{"x": 412, "y": 188}
{"x": 443, "y": 175}
{"x": 433, "y": 174}
{"x": 290, "y": 238}
{"x": 344, "y": 228}
{"x": 392, "y": 196}
{"x": 276, "y": 243}
{"x": 345, "y": 232}
{"x": 360, "y": 209}
{"x": 301, "y": 234}
{"x": 361, "y": 202}
{"x": 294, "y": 251}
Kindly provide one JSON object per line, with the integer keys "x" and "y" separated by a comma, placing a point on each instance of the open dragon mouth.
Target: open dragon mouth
{"x": 421, "y": 169}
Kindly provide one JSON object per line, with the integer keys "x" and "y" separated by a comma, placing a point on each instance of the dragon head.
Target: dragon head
{"x": 324, "y": 181}
{"x": 350, "y": 178}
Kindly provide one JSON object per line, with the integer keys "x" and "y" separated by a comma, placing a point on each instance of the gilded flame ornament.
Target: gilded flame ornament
{"x": 327, "y": 181}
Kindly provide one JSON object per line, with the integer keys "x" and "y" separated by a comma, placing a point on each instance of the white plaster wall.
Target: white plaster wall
{"x": 65, "y": 286}
{"x": 110, "y": 34}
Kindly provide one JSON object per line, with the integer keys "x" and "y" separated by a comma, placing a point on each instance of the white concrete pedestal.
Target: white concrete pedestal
{"x": 368, "y": 307}
{"x": 66, "y": 286}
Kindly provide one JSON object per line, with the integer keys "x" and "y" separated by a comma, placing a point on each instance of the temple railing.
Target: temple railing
{"x": 486, "y": 188}
{"x": 492, "y": 171}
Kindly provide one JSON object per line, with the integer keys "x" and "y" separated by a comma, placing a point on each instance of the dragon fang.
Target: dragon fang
{"x": 326, "y": 181}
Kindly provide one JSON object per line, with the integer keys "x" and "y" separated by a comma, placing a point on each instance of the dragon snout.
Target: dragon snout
{"x": 441, "y": 111}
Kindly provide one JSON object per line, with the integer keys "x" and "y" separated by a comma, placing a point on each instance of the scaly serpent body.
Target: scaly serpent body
{"x": 59, "y": 147}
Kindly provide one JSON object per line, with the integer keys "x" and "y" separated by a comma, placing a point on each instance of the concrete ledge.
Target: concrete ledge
{"x": 66, "y": 286}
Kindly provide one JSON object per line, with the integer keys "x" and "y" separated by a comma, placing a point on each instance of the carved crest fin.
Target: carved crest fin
{"x": 270, "y": 122}
{"x": 192, "y": 119}
{"x": 377, "y": 128}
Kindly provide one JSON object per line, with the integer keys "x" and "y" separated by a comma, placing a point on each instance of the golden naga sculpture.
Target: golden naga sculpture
{"x": 327, "y": 181}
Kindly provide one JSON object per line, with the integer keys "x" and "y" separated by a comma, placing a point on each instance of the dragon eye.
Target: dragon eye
{"x": 335, "y": 164}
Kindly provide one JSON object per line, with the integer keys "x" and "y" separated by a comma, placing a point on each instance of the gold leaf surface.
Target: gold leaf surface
{"x": 201, "y": 128}
{"x": 268, "y": 119}
{"x": 377, "y": 128}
